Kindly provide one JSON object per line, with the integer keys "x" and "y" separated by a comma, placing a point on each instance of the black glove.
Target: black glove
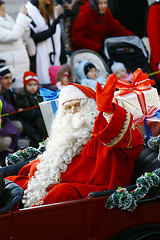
{"x": 68, "y": 13}
{"x": 54, "y": 24}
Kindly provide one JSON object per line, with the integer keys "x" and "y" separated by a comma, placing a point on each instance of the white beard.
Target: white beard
{"x": 68, "y": 136}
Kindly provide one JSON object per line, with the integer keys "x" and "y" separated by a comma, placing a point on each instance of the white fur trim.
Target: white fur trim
{"x": 31, "y": 77}
{"x": 70, "y": 92}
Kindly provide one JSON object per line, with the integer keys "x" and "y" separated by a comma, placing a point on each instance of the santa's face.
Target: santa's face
{"x": 72, "y": 106}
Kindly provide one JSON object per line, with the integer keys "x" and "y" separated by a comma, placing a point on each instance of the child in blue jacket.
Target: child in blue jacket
{"x": 88, "y": 75}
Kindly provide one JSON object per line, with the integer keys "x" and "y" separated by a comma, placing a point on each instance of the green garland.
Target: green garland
{"x": 21, "y": 155}
{"x": 126, "y": 200}
{"x": 153, "y": 143}
{"x": 25, "y": 154}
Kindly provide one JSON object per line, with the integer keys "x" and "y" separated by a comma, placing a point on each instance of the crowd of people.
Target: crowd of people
{"x": 83, "y": 153}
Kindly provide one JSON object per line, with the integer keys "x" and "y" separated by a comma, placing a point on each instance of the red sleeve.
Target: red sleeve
{"x": 119, "y": 133}
{"x": 153, "y": 31}
{"x": 79, "y": 34}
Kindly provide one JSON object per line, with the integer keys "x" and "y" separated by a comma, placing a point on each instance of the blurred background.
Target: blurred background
{"x": 13, "y": 6}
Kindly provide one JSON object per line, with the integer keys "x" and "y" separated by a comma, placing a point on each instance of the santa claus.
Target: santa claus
{"x": 92, "y": 147}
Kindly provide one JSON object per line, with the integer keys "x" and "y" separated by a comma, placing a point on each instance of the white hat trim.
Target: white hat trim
{"x": 70, "y": 92}
{"x": 31, "y": 77}
{"x": 3, "y": 68}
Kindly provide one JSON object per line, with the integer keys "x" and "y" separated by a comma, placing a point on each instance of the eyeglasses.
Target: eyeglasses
{"x": 72, "y": 107}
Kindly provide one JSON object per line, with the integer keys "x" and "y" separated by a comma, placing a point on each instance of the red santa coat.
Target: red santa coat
{"x": 90, "y": 29}
{"x": 106, "y": 161}
{"x": 153, "y": 32}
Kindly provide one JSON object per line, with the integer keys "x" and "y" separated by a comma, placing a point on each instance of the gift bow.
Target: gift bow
{"x": 153, "y": 111}
{"x": 49, "y": 95}
{"x": 140, "y": 83}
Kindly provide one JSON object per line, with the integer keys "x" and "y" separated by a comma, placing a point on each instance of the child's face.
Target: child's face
{"x": 92, "y": 74}
{"x": 65, "y": 79}
{"x": 2, "y": 10}
{"x": 32, "y": 87}
{"x": 121, "y": 74}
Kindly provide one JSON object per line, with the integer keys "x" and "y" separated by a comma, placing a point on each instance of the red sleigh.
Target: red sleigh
{"x": 84, "y": 219}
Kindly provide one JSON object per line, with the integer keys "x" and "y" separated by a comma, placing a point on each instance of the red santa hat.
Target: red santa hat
{"x": 74, "y": 91}
{"x": 29, "y": 76}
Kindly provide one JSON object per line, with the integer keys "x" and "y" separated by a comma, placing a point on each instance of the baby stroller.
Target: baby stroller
{"x": 89, "y": 55}
{"x": 129, "y": 50}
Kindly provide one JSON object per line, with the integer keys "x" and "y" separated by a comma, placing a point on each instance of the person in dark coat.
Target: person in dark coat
{"x": 131, "y": 14}
{"x": 8, "y": 133}
{"x": 93, "y": 25}
{"x": 9, "y": 94}
{"x": 32, "y": 119}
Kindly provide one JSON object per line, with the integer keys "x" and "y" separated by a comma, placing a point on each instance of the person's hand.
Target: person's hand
{"x": 59, "y": 9}
{"x": 159, "y": 66}
{"x": 67, "y": 6}
{"x": 23, "y": 10}
{"x": 104, "y": 96}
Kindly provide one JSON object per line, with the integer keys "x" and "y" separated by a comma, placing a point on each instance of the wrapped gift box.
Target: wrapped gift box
{"x": 130, "y": 102}
{"x": 154, "y": 126}
{"x": 48, "y": 110}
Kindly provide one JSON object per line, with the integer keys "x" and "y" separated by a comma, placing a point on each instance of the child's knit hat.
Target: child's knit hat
{"x": 117, "y": 66}
{"x": 29, "y": 76}
{"x": 88, "y": 66}
{"x": 3, "y": 70}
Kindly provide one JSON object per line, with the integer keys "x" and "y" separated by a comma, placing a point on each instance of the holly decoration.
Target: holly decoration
{"x": 153, "y": 143}
{"x": 126, "y": 200}
{"x": 25, "y": 154}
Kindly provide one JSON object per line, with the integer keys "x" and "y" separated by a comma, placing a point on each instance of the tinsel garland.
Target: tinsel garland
{"x": 25, "y": 154}
{"x": 126, "y": 200}
{"x": 153, "y": 143}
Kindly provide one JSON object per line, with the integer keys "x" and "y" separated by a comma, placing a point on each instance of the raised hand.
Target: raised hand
{"x": 104, "y": 96}
{"x": 23, "y": 10}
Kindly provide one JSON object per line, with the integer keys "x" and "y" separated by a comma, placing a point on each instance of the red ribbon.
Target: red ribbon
{"x": 140, "y": 83}
{"x": 151, "y": 112}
